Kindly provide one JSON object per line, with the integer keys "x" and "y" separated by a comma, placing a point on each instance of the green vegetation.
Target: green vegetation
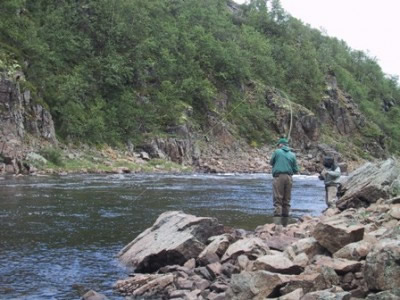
{"x": 53, "y": 155}
{"x": 118, "y": 70}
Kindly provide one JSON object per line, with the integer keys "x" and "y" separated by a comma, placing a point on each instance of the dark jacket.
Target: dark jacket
{"x": 283, "y": 161}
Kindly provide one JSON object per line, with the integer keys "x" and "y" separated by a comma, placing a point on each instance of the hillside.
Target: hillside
{"x": 196, "y": 75}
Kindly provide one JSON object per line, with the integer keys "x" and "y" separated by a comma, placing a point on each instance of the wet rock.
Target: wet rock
{"x": 382, "y": 268}
{"x": 93, "y": 295}
{"x": 333, "y": 233}
{"x": 174, "y": 238}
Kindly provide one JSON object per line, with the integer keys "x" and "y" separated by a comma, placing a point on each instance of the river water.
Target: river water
{"x": 59, "y": 235}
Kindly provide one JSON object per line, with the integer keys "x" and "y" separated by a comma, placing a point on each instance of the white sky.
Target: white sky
{"x": 369, "y": 25}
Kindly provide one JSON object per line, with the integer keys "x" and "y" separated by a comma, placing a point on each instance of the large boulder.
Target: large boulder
{"x": 382, "y": 268}
{"x": 174, "y": 238}
{"x": 333, "y": 233}
{"x": 369, "y": 183}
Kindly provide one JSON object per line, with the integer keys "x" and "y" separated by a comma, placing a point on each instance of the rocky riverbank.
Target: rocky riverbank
{"x": 28, "y": 142}
{"x": 350, "y": 252}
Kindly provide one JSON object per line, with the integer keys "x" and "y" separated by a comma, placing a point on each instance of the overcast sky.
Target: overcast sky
{"x": 369, "y": 25}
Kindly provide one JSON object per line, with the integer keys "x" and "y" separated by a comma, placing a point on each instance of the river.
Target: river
{"x": 61, "y": 234}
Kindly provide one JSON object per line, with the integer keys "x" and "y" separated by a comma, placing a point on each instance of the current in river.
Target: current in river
{"x": 59, "y": 235}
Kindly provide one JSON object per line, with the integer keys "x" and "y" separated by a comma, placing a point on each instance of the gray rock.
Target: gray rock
{"x": 327, "y": 295}
{"x": 385, "y": 295}
{"x": 369, "y": 183}
{"x": 354, "y": 251}
{"x": 253, "y": 285}
{"x": 145, "y": 284}
{"x": 252, "y": 247}
{"x": 277, "y": 264}
{"x": 93, "y": 295}
{"x": 382, "y": 268}
{"x": 333, "y": 233}
{"x": 174, "y": 238}
{"x": 309, "y": 246}
{"x": 340, "y": 265}
{"x": 33, "y": 157}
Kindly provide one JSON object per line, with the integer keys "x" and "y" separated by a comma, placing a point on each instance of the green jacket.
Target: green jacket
{"x": 283, "y": 161}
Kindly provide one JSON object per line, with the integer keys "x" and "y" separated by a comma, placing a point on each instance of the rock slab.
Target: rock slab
{"x": 174, "y": 238}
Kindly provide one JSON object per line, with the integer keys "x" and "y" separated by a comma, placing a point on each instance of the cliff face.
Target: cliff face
{"x": 23, "y": 125}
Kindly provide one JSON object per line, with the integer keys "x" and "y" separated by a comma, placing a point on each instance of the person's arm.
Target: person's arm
{"x": 335, "y": 174}
{"x": 295, "y": 167}
{"x": 272, "y": 161}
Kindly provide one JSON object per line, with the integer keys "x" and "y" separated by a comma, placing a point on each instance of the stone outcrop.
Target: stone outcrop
{"x": 173, "y": 239}
{"x": 369, "y": 183}
{"x": 20, "y": 116}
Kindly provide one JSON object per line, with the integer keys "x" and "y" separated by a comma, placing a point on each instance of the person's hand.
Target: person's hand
{"x": 321, "y": 177}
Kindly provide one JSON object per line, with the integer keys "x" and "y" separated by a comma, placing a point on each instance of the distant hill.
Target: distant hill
{"x": 128, "y": 71}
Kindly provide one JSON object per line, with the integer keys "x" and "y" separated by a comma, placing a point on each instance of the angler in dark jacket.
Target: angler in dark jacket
{"x": 284, "y": 165}
{"x": 330, "y": 174}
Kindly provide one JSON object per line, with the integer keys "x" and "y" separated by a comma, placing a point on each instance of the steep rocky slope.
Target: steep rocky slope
{"x": 27, "y": 127}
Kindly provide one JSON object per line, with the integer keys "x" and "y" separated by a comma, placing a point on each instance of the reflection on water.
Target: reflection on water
{"x": 60, "y": 233}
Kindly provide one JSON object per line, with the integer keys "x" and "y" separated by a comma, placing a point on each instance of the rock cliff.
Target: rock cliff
{"x": 23, "y": 125}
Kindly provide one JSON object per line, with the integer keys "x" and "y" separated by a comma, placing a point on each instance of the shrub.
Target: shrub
{"x": 53, "y": 155}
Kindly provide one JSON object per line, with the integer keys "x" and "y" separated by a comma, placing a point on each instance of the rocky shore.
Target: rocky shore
{"x": 29, "y": 145}
{"x": 350, "y": 252}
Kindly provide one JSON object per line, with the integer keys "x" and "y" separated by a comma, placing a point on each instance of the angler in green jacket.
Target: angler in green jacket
{"x": 284, "y": 165}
